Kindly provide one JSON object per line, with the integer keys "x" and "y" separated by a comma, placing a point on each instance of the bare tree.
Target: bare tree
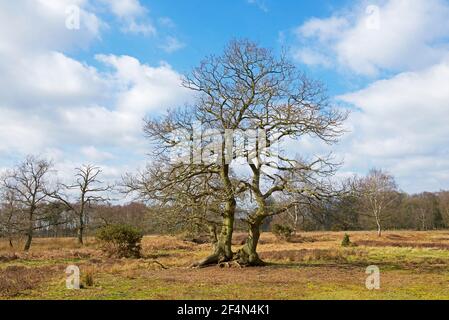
{"x": 286, "y": 105}
{"x": 10, "y": 215}
{"x": 378, "y": 192}
{"x": 89, "y": 190}
{"x": 295, "y": 214}
{"x": 245, "y": 89}
{"x": 29, "y": 185}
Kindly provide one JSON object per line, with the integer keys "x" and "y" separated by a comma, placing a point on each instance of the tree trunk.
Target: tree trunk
{"x": 81, "y": 223}
{"x": 223, "y": 247}
{"x": 379, "y": 229}
{"x": 248, "y": 254}
{"x": 29, "y": 239}
{"x": 295, "y": 222}
{"x": 80, "y": 235}
{"x": 29, "y": 233}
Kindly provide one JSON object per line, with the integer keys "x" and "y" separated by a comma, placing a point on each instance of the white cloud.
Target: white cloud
{"x": 109, "y": 110}
{"x": 93, "y": 154}
{"x": 40, "y": 79}
{"x": 41, "y": 25}
{"x": 171, "y": 44}
{"x": 402, "y": 126}
{"x": 134, "y": 27}
{"x": 167, "y": 22}
{"x": 56, "y": 106}
{"x": 260, "y": 4}
{"x": 408, "y": 35}
{"x": 133, "y": 16}
{"x": 146, "y": 88}
{"x": 323, "y": 29}
{"x": 126, "y": 8}
{"x": 398, "y": 123}
{"x": 312, "y": 58}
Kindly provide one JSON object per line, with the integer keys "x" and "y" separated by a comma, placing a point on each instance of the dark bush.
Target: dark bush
{"x": 282, "y": 232}
{"x": 120, "y": 240}
{"x": 346, "y": 241}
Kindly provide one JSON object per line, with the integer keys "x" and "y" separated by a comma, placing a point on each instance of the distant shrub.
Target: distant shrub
{"x": 282, "y": 232}
{"x": 120, "y": 240}
{"x": 346, "y": 241}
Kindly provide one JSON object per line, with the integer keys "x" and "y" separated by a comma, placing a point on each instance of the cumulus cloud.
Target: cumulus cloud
{"x": 35, "y": 25}
{"x": 399, "y": 121}
{"x": 171, "y": 44}
{"x": 89, "y": 106}
{"x": 259, "y": 4}
{"x": 402, "y": 125}
{"x": 133, "y": 16}
{"x": 376, "y": 36}
{"x": 56, "y": 106}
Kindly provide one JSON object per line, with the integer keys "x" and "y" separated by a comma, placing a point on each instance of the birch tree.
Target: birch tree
{"x": 377, "y": 192}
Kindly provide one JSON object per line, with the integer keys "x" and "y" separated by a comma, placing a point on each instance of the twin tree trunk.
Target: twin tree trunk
{"x": 247, "y": 255}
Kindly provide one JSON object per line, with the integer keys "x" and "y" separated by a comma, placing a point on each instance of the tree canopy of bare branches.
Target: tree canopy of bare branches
{"x": 247, "y": 88}
{"x": 27, "y": 187}
{"x": 90, "y": 190}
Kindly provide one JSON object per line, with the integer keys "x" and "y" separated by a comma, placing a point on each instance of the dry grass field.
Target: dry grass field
{"x": 414, "y": 265}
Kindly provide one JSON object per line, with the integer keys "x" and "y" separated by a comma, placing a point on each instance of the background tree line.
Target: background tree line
{"x": 351, "y": 212}
{"x": 54, "y": 213}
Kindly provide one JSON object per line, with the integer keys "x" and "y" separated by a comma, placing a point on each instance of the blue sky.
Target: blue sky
{"x": 204, "y": 28}
{"x": 78, "y": 93}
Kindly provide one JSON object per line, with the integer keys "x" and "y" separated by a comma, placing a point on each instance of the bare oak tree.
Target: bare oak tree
{"x": 29, "y": 185}
{"x": 245, "y": 89}
{"x": 89, "y": 190}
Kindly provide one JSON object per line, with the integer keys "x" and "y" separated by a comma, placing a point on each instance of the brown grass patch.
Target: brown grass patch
{"x": 159, "y": 243}
{"x": 405, "y": 244}
{"x": 16, "y": 280}
{"x": 305, "y": 255}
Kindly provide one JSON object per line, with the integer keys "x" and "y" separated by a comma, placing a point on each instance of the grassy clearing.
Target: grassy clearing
{"x": 414, "y": 265}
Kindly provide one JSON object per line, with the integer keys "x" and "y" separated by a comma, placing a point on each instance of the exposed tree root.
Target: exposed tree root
{"x": 211, "y": 260}
{"x": 249, "y": 259}
{"x": 215, "y": 259}
{"x": 230, "y": 264}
